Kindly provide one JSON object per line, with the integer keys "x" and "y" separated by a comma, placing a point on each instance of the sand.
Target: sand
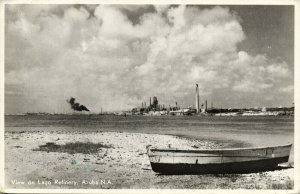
{"x": 124, "y": 165}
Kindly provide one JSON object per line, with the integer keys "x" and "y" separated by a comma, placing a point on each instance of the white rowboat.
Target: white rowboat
{"x": 235, "y": 160}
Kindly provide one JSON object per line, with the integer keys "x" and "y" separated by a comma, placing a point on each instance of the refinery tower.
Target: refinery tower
{"x": 197, "y": 99}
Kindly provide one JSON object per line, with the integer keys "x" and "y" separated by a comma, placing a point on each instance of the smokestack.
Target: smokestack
{"x": 197, "y": 99}
{"x": 150, "y": 102}
{"x": 205, "y": 105}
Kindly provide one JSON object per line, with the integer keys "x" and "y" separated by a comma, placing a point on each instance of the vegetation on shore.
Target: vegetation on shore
{"x": 73, "y": 148}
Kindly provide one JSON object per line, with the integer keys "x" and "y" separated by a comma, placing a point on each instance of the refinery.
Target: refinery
{"x": 153, "y": 108}
{"x": 156, "y": 109}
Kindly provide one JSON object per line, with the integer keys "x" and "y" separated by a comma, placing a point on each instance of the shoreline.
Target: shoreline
{"x": 233, "y": 140}
{"x": 229, "y": 142}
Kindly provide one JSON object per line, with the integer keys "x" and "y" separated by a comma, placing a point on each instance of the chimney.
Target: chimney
{"x": 197, "y": 99}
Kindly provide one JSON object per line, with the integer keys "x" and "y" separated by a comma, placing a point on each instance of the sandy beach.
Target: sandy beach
{"x": 123, "y": 164}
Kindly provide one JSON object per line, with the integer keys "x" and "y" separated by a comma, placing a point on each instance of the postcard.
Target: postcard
{"x": 152, "y": 97}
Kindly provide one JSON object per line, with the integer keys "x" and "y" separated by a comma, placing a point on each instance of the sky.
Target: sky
{"x": 114, "y": 57}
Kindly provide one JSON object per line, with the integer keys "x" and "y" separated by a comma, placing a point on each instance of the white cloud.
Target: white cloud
{"x": 278, "y": 70}
{"x": 75, "y": 15}
{"x": 108, "y": 61}
{"x": 287, "y": 89}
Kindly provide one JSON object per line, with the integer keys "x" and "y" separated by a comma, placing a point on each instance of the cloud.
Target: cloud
{"x": 288, "y": 89}
{"x": 103, "y": 58}
{"x": 162, "y": 8}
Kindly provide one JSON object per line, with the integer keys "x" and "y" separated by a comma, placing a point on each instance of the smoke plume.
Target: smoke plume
{"x": 76, "y": 106}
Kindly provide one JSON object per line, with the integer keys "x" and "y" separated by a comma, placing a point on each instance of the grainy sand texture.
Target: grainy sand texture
{"x": 123, "y": 164}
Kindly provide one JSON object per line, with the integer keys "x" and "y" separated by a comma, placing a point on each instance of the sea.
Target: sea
{"x": 236, "y": 131}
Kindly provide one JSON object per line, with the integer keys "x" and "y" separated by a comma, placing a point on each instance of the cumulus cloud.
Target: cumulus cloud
{"x": 105, "y": 58}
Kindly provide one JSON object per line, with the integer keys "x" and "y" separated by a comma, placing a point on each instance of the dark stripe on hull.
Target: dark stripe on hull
{"x": 222, "y": 168}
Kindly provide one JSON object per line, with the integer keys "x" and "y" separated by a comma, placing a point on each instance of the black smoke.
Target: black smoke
{"x": 76, "y": 106}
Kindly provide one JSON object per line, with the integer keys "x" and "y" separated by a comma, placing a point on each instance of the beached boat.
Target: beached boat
{"x": 217, "y": 161}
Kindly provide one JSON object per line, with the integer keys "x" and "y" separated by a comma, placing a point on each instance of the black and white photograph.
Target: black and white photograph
{"x": 162, "y": 97}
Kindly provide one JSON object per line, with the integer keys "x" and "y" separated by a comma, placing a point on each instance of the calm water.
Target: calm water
{"x": 260, "y": 130}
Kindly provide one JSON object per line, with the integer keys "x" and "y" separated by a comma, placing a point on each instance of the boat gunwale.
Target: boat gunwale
{"x": 152, "y": 149}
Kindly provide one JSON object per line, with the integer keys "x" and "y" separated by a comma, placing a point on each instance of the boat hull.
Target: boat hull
{"x": 167, "y": 161}
{"x": 221, "y": 168}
